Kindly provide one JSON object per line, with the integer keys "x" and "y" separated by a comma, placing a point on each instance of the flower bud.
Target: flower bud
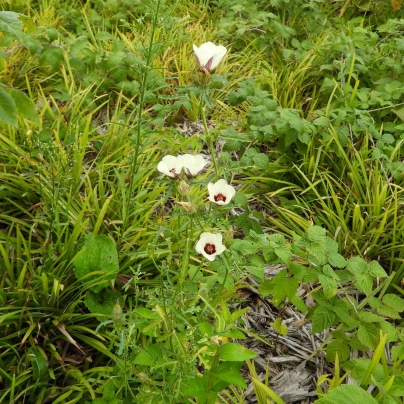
{"x": 187, "y": 206}
{"x": 183, "y": 188}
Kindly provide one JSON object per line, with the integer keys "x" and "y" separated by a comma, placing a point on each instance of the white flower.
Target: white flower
{"x": 221, "y": 193}
{"x": 171, "y": 165}
{"x": 208, "y": 55}
{"x": 210, "y": 245}
{"x": 193, "y": 165}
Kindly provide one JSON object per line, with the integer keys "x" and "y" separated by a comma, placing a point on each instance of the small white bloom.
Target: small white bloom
{"x": 208, "y": 55}
{"x": 193, "y": 165}
{"x": 171, "y": 165}
{"x": 210, "y": 245}
{"x": 221, "y": 193}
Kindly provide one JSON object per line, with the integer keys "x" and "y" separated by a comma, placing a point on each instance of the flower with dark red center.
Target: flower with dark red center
{"x": 210, "y": 249}
{"x": 193, "y": 165}
{"x": 210, "y": 245}
{"x": 171, "y": 165}
{"x": 221, "y": 193}
{"x": 219, "y": 197}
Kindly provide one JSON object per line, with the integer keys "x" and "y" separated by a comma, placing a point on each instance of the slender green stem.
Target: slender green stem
{"x": 225, "y": 278}
{"x": 210, "y": 140}
{"x": 134, "y": 161}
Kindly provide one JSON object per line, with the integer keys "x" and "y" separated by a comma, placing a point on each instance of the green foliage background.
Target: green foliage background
{"x": 103, "y": 297}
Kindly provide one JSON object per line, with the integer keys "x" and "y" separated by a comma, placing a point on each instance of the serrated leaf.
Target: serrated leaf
{"x": 53, "y": 56}
{"x": 235, "y": 352}
{"x": 397, "y": 389}
{"x": 357, "y": 265}
{"x": 241, "y": 200}
{"x": 390, "y": 330}
{"x": 11, "y": 23}
{"x": 279, "y": 327}
{"x": 336, "y": 260}
{"x": 394, "y": 301}
{"x": 368, "y": 335}
{"x": 368, "y": 317}
{"x": 25, "y": 106}
{"x": 331, "y": 245}
{"x": 330, "y": 286}
{"x": 364, "y": 283}
{"x": 388, "y": 311}
{"x": 284, "y": 253}
{"x": 376, "y": 269}
{"x": 322, "y": 319}
{"x": 397, "y": 352}
{"x": 337, "y": 347}
{"x": 8, "y": 108}
{"x": 347, "y": 393}
{"x": 316, "y": 234}
{"x": 317, "y": 253}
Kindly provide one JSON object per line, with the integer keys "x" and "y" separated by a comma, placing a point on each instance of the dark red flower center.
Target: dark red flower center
{"x": 210, "y": 248}
{"x": 220, "y": 197}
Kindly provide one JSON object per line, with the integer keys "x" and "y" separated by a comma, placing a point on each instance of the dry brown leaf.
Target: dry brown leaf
{"x": 395, "y": 4}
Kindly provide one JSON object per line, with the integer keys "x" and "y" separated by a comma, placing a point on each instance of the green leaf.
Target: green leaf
{"x": 397, "y": 389}
{"x": 337, "y": 347}
{"x": 388, "y": 311}
{"x": 25, "y": 106}
{"x": 368, "y": 317}
{"x": 394, "y": 301}
{"x": 336, "y": 260}
{"x": 357, "y": 265}
{"x": 397, "y": 352}
{"x": 148, "y": 356}
{"x": 279, "y": 327}
{"x": 322, "y": 319}
{"x": 359, "y": 368}
{"x": 102, "y": 303}
{"x": 364, "y": 283}
{"x": 53, "y": 56}
{"x": 98, "y": 255}
{"x": 284, "y": 253}
{"x": 196, "y": 387}
{"x": 241, "y": 200}
{"x": 11, "y": 23}
{"x": 8, "y": 108}
{"x": 235, "y": 352}
{"x": 330, "y": 286}
{"x": 146, "y": 313}
{"x": 39, "y": 364}
{"x": 316, "y": 234}
{"x": 376, "y": 269}
{"x": 345, "y": 394}
{"x": 281, "y": 286}
{"x": 230, "y": 373}
{"x": 390, "y": 330}
{"x": 368, "y": 335}
{"x": 317, "y": 253}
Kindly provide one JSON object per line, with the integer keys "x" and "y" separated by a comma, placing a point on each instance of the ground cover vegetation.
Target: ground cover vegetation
{"x": 143, "y": 191}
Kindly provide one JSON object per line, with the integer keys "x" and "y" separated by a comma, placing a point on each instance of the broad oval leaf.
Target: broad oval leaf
{"x": 99, "y": 255}
{"x": 347, "y": 394}
{"x": 8, "y": 108}
{"x": 235, "y": 353}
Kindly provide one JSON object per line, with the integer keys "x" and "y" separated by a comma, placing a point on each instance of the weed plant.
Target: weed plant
{"x": 119, "y": 276}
